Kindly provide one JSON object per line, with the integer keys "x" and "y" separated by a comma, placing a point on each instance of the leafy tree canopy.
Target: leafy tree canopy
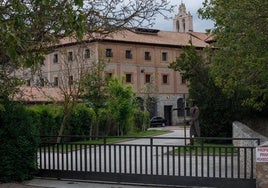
{"x": 28, "y": 27}
{"x": 240, "y": 64}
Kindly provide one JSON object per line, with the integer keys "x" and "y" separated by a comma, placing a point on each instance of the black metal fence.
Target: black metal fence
{"x": 150, "y": 160}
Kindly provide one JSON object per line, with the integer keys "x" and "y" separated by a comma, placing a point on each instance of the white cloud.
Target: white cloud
{"x": 191, "y": 6}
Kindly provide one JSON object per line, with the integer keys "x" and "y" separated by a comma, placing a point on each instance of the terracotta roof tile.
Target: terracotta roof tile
{"x": 34, "y": 94}
{"x": 161, "y": 38}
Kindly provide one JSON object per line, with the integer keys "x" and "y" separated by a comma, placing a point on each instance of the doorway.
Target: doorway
{"x": 168, "y": 114}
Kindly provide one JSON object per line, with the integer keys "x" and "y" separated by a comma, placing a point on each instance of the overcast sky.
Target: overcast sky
{"x": 191, "y": 6}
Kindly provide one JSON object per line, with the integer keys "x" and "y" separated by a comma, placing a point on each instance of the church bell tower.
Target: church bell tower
{"x": 183, "y": 21}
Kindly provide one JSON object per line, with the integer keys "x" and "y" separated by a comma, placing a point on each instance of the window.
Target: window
{"x": 109, "y": 52}
{"x": 147, "y": 78}
{"x": 147, "y": 56}
{"x": 128, "y": 78}
{"x": 164, "y": 56}
{"x": 55, "y": 58}
{"x": 87, "y": 53}
{"x": 183, "y": 79}
{"x": 165, "y": 79}
{"x": 71, "y": 80}
{"x": 70, "y": 56}
{"x": 56, "y": 81}
{"x": 128, "y": 54}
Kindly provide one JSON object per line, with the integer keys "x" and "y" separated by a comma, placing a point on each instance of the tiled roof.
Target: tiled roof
{"x": 158, "y": 38}
{"x": 39, "y": 95}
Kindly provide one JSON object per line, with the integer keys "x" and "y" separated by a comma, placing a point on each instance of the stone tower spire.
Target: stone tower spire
{"x": 183, "y": 21}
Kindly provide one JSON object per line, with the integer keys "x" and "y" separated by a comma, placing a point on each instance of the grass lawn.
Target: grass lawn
{"x": 211, "y": 149}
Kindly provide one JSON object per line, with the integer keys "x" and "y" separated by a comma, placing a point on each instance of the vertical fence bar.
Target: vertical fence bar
{"x": 100, "y": 157}
{"x": 220, "y": 162}
{"x": 162, "y": 160}
{"x": 115, "y": 159}
{"x": 167, "y": 160}
{"x": 71, "y": 158}
{"x": 196, "y": 161}
{"x": 40, "y": 157}
{"x": 146, "y": 160}
{"x": 251, "y": 164}
{"x": 173, "y": 160}
{"x": 185, "y": 162}
{"x": 179, "y": 161}
{"x": 238, "y": 162}
{"x": 49, "y": 159}
{"x": 130, "y": 159}
{"x": 105, "y": 152}
{"x": 208, "y": 162}
{"x": 110, "y": 158}
{"x": 90, "y": 158}
{"x": 125, "y": 158}
{"x": 151, "y": 155}
{"x": 245, "y": 162}
{"x": 66, "y": 157}
{"x": 81, "y": 156}
{"x": 85, "y": 157}
{"x": 191, "y": 162}
{"x": 53, "y": 157}
{"x": 58, "y": 157}
{"x": 120, "y": 159}
{"x": 95, "y": 158}
{"x": 202, "y": 159}
{"x": 76, "y": 157}
{"x": 45, "y": 156}
{"x": 214, "y": 163}
{"x": 141, "y": 159}
{"x": 232, "y": 162}
{"x": 135, "y": 159}
{"x": 62, "y": 157}
{"x": 226, "y": 162}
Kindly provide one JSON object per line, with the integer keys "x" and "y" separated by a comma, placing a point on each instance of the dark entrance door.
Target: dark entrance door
{"x": 168, "y": 114}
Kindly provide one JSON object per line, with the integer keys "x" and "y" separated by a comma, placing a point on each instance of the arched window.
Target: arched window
{"x": 183, "y": 25}
{"x": 180, "y": 106}
{"x": 178, "y": 25}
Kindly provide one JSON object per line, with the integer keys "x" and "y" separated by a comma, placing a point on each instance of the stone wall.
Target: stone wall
{"x": 261, "y": 169}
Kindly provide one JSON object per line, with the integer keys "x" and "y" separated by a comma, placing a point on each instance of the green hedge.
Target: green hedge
{"x": 80, "y": 120}
{"x": 18, "y": 143}
{"x": 47, "y": 118}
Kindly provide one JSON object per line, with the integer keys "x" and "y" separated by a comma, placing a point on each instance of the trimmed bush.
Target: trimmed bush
{"x": 18, "y": 143}
{"x": 47, "y": 118}
{"x": 80, "y": 120}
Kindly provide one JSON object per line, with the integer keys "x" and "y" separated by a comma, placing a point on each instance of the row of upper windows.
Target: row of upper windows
{"x": 128, "y": 54}
{"x": 128, "y": 79}
{"x": 109, "y": 53}
{"x": 70, "y": 56}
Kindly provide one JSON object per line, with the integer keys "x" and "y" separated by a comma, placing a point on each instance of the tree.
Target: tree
{"x": 72, "y": 70}
{"x": 239, "y": 65}
{"x": 29, "y": 27}
{"x": 216, "y": 111}
{"x": 121, "y": 105}
{"x": 95, "y": 85}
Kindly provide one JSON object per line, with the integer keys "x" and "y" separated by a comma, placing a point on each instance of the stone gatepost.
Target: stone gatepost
{"x": 262, "y": 166}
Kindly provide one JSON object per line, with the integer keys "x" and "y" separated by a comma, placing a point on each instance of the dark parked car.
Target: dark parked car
{"x": 158, "y": 121}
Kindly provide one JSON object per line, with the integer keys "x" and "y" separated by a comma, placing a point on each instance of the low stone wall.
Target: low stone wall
{"x": 261, "y": 169}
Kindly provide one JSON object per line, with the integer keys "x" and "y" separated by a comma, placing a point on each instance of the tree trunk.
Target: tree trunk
{"x": 62, "y": 126}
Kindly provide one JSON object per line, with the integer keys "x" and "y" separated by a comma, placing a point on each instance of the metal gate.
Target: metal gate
{"x": 150, "y": 162}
